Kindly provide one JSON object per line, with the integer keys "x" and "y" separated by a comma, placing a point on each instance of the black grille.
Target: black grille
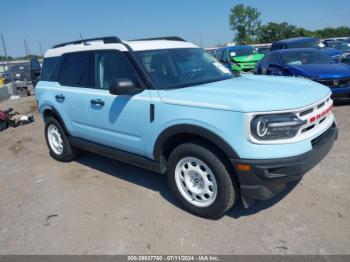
{"x": 323, "y": 136}
{"x": 335, "y": 82}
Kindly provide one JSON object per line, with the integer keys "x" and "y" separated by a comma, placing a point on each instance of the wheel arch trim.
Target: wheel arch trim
{"x": 190, "y": 129}
{"x": 56, "y": 114}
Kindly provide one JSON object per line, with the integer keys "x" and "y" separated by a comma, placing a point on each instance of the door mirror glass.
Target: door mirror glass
{"x": 123, "y": 87}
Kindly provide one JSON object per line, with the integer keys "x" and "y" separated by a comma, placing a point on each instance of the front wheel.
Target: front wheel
{"x": 57, "y": 141}
{"x": 201, "y": 180}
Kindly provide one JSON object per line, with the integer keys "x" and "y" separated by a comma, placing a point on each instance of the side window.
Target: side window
{"x": 111, "y": 65}
{"x": 78, "y": 69}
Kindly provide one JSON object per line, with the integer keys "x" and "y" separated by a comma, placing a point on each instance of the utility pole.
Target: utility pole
{"x": 41, "y": 50}
{"x": 3, "y": 63}
{"x": 26, "y": 47}
{"x": 13, "y": 84}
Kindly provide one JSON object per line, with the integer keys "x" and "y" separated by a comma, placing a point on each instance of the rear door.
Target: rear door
{"x": 118, "y": 121}
{"x": 75, "y": 78}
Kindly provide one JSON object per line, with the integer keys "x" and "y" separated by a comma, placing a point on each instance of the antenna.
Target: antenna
{"x": 81, "y": 36}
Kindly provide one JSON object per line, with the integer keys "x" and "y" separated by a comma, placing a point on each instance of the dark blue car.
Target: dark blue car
{"x": 307, "y": 42}
{"x": 308, "y": 63}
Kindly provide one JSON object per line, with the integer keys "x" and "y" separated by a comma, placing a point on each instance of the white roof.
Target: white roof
{"x": 159, "y": 44}
{"x": 135, "y": 45}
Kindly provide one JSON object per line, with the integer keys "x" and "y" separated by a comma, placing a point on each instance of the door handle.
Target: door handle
{"x": 60, "y": 97}
{"x": 97, "y": 102}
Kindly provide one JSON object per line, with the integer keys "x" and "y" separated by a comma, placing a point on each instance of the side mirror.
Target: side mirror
{"x": 123, "y": 87}
{"x": 35, "y": 70}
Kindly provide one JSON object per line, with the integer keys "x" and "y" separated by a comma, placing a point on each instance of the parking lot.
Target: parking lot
{"x": 95, "y": 205}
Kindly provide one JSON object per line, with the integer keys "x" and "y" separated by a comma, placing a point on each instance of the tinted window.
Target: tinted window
{"x": 48, "y": 65}
{"x": 78, "y": 69}
{"x": 111, "y": 65}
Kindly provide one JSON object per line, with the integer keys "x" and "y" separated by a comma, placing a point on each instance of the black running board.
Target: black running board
{"x": 119, "y": 155}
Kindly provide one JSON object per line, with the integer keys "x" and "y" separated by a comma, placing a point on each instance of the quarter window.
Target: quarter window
{"x": 48, "y": 66}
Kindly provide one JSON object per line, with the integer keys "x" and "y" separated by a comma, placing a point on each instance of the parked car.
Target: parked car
{"x": 239, "y": 58}
{"x": 166, "y": 105}
{"x": 308, "y": 63}
{"x": 20, "y": 71}
{"x": 347, "y": 39}
{"x": 307, "y": 42}
{"x": 341, "y": 45}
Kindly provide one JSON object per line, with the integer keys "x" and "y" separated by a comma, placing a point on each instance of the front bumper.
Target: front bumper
{"x": 266, "y": 178}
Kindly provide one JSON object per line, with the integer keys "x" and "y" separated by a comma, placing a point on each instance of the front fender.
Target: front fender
{"x": 197, "y": 128}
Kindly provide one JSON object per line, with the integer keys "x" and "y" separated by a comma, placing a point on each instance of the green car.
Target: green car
{"x": 239, "y": 59}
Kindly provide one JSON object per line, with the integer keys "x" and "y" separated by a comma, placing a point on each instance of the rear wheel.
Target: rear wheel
{"x": 57, "y": 141}
{"x": 201, "y": 181}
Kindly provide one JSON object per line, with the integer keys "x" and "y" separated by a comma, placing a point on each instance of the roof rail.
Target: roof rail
{"x": 170, "y": 38}
{"x": 106, "y": 40}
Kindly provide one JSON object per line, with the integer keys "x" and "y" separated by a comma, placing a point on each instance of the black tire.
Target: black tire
{"x": 68, "y": 153}
{"x": 227, "y": 185}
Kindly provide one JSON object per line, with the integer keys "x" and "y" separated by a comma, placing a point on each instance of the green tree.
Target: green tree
{"x": 277, "y": 31}
{"x": 332, "y": 32}
{"x": 244, "y": 21}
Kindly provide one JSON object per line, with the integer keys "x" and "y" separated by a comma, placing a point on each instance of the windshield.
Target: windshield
{"x": 341, "y": 45}
{"x": 242, "y": 51}
{"x": 306, "y": 58}
{"x": 173, "y": 68}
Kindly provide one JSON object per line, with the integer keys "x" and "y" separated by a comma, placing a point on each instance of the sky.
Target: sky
{"x": 200, "y": 21}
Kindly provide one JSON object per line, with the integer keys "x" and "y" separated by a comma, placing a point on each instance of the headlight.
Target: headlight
{"x": 274, "y": 127}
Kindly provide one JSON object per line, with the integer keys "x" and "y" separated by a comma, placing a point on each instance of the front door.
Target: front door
{"x": 122, "y": 121}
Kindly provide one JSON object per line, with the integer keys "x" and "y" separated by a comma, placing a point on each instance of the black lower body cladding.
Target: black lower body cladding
{"x": 266, "y": 178}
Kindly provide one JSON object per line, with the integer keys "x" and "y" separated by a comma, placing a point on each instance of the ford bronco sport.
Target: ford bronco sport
{"x": 166, "y": 105}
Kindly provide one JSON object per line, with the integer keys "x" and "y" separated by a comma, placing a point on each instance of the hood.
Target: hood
{"x": 331, "y": 51}
{"x": 249, "y": 93}
{"x": 248, "y": 58}
{"x": 321, "y": 70}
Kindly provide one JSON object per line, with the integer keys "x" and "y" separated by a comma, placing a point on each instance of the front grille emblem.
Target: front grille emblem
{"x": 336, "y": 83}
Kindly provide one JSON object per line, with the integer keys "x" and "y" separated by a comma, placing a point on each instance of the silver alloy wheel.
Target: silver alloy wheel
{"x": 196, "y": 182}
{"x": 55, "y": 139}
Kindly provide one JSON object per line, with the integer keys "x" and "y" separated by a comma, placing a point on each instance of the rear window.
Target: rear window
{"x": 78, "y": 69}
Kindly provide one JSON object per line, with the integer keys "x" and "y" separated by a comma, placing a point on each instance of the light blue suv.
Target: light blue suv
{"x": 166, "y": 105}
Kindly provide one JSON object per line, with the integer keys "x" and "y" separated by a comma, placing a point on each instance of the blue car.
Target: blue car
{"x": 307, "y": 42}
{"x": 308, "y": 63}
